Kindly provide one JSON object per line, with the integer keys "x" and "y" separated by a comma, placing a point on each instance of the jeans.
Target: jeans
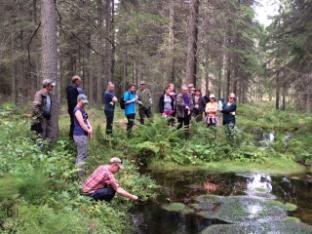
{"x": 144, "y": 112}
{"x": 131, "y": 118}
{"x": 109, "y": 121}
{"x": 106, "y": 194}
{"x": 81, "y": 142}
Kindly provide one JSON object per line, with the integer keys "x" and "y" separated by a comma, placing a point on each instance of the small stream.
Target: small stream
{"x": 252, "y": 191}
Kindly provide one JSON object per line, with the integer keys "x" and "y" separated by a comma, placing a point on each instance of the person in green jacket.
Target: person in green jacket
{"x": 145, "y": 102}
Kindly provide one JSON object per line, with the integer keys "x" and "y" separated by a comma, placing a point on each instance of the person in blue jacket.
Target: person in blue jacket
{"x": 130, "y": 99}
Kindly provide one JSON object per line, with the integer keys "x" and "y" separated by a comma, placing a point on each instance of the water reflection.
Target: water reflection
{"x": 184, "y": 186}
{"x": 258, "y": 184}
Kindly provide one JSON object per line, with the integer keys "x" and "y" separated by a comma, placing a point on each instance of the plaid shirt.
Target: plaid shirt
{"x": 100, "y": 178}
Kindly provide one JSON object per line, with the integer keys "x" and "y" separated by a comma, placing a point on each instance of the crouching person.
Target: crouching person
{"x": 102, "y": 185}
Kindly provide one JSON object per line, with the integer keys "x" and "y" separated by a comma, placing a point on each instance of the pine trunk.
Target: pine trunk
{"x": 49, "y": 57}
{"x": 191, "y": 63}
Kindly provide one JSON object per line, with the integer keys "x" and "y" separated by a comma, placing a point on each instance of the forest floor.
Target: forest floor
{"x": 39, "y": 190}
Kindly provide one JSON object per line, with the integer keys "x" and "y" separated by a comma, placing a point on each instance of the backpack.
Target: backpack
{"x": 122, "y": 102}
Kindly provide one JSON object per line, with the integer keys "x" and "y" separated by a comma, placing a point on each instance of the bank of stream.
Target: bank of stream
{"x": 201, "y": 202}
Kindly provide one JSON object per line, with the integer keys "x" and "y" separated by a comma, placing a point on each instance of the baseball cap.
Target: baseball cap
{"x": 47, "y": 82}
{"x": 142, "y": 82}
{"x": 116, "y": 160}
{"x": 212, "y": 96}
{"x": 232, "y": 95}
{"x": 83, "y": 98}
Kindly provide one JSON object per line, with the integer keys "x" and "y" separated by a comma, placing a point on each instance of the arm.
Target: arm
{"x": 72, "y": 94}
{"x": 37, "y": 103}
{"x": 126, "y": 194}
{"x": 83, "y": 125}
{"x": 127, "y": 100}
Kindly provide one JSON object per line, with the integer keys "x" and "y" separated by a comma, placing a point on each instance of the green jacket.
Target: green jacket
{"x": 145, "y": 97}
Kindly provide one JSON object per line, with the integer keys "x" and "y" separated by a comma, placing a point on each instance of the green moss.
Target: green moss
{"x": 286, "y": 206}
{"x": 275, "y": 166}
{"x": 177, "y": 207}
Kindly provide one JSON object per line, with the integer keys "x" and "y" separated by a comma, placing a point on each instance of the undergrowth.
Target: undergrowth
{"x": 39, "y": 190}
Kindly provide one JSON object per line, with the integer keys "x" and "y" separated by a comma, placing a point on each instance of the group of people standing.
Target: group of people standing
{"x": 190, "y": 103}
{"x": 181, "y": 107}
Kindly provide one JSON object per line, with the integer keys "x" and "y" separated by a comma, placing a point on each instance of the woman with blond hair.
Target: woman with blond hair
{"x": 211, "y": 111}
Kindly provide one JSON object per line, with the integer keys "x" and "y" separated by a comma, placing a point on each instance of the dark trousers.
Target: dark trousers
{"x": 198, "y": 115}
{"x": 131, "y": 118}
{"x": 109, "y": 121}
{"x": 104, "y": 194}
{"x": 144, "y": 113}
{"x": 72, "y": 125}
{"x": 186, "y": 122}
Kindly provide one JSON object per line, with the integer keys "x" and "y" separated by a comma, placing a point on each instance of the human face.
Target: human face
{"x": 197, "y": 93}
{"x": 184, "y": 91}
{"x": 231, "y": 99}
{"x": 111, "y": 86}
{"x": 132, "y": 89}
{"x": 115, "y": 168}
{"x": 143, "y": 86}
{"x": 50, "y": 88}
{"x": 78, "y": 82}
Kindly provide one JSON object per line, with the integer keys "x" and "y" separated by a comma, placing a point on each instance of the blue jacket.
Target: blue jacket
{"x": 131, "y": 107}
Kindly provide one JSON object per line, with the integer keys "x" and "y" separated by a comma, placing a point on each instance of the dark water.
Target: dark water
{"x": 185, "y": 186}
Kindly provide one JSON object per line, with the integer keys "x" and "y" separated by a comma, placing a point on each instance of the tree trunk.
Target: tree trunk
{"x": 191, "y": 63}
{"x": 277, "y": 94}
{"x": 49, "y": 56}
{"x": 284, "y": 98}
{"x": 108, "y": 29}
{"x": 171, "y": 42}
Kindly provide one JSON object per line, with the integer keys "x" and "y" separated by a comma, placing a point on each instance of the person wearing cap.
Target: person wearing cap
{"x": 229, "y": 113}
{"x": 42, "y": 110}
{"x": 109, "y": 100}
{"x": 184, "y": 107}
{"x": 145, "y": 102}
{"x": 82, "y": 131}
{"x": 72, "y": 92}
{"x": 130, "y": 98}
{"x": 199, "y": 105}
{"x": 211, "y": 111}
{"x": 102, "y": 185}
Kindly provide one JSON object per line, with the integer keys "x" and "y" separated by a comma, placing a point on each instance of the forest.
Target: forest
{"x": 257, "y": 178}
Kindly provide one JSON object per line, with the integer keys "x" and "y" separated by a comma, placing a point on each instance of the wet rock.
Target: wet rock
{"x": 178, "y": 208}
{"x": 285, "y": 226}
{"x": 235, "y": 209}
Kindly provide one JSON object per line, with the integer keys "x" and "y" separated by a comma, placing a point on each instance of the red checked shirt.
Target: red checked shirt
{"x": 100, "y": 178}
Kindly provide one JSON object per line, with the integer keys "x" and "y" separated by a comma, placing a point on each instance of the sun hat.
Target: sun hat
{"x": 212, "y": 96}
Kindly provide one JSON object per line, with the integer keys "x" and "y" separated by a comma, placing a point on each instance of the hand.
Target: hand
{"x": 188, "y": 112}
{"x": 115, "y": 99}
{"x": 135, "y": 198}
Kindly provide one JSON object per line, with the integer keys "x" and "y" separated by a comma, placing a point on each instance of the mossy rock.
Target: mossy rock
{"x": 285, "y": 206}
{"x": 285, "y": 226}
{"x": 177, "y": 207}
{"x": 236, "y": 209}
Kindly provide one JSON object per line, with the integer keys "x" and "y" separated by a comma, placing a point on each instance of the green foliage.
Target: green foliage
{"x": 39, "y": 190}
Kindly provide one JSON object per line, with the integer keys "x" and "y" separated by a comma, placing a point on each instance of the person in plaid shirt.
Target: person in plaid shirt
{"x": 102, "y": 185}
